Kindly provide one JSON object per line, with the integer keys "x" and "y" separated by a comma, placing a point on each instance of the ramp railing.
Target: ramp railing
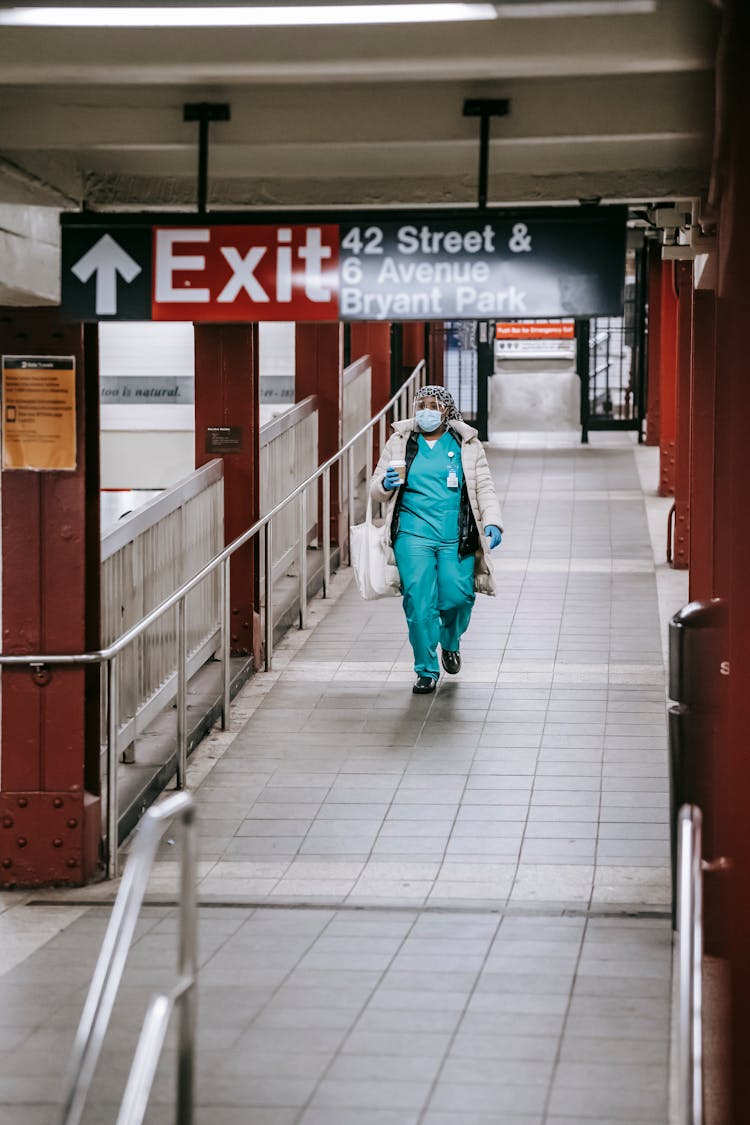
{"x": 112, "y": 655}
{"x": 357, "y": 390}
{"x": 108, "y": 973}
{"x": 144, "y": 558}
{"x": 288, "y": 455}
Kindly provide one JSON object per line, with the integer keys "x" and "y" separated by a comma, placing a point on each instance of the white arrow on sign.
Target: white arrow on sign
{"x": 106, "y": 259}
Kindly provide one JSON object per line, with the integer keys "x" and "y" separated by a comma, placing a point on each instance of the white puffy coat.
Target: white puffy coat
{"x": 479, "y": 486}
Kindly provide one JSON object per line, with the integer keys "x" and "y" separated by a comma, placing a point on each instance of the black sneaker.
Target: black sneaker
{"x": 451, "y": 661}
{"x": 424, "y": 685}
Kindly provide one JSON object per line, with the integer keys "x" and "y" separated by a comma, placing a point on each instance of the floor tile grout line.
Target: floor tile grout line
{"x": 550, "y": 909}
{"x": 393, "y": 795}
{"x": 275, "y": 991}
{"x": 469, "y": 770}
{"x": 459, "y": 1022}
{"x": 563, "y": 1027}
{"x": 549, "y": 694}
{"x": 336, "y": 1054}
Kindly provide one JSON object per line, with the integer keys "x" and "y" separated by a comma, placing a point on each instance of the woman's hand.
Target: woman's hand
{"x": 391, "y": 479}
{"x": 494, "y": 534}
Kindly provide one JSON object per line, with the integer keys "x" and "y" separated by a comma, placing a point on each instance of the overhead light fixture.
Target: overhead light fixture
{"x": 559, "y": 9}
{"x": 246, "y": 15}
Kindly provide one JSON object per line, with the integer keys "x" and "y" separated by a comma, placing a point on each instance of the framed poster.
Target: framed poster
{"x": 39, "y": 412}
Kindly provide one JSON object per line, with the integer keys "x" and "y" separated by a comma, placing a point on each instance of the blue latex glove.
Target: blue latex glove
{"x": 391, "y": 480}
{"x": 494, "y": 534}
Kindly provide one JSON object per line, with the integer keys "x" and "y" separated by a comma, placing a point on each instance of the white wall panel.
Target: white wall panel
{"x": 145, "y": 348}
{"x": 145, "y": 458}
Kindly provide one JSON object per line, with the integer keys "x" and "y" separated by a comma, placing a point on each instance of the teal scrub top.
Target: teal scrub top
{"x": 429, "y": 507}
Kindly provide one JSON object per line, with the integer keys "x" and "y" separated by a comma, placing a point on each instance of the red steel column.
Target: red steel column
{"x": 413, "y": 344}
{"x": 702, "y": 447}
{"x": 732, "y": 181}
{"x": 227, "y": 395}
{"x": 667, "y": 379}
{"x": 50, "y": 815}
{"x": 373, "y": 338}
{"x": 653, "y": 409}
{"x": 684, "y": 278}
{"x": 319, "y": 364}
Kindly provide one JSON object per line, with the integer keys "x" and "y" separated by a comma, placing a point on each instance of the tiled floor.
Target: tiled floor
{"x": 449, "y": 910}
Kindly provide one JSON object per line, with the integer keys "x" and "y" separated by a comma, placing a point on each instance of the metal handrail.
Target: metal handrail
{"x": 160, "y": 507}
{"x": 399, "y": 404}
{"x": 690, "y": 927}
{"x": 291, "y": 417}
{"x": 108, "y": 973}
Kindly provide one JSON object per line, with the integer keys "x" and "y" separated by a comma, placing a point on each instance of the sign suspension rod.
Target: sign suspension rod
{"x": 484, "y": 109}
{"x": 203, "y": 113}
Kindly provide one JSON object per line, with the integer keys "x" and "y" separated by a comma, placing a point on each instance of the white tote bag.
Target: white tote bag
{"x": 375, "y": 576}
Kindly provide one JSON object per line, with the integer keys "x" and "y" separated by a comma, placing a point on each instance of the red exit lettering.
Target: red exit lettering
{"x": 246, "y": 273}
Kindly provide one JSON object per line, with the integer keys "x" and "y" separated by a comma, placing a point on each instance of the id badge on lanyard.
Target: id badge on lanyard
{"x": 452, "y": 478}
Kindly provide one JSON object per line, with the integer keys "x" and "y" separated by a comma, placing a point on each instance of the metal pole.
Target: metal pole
{"x": 268, "y": 551}
{"x": 697, "y": 949}
{"x": 350, "y": 483}
{"x": 113, "y": 723}
{"x": 485, "y": 331}
{"x": 381, "y": 434}
{"x": 188, "y": 970}
{"x": 181, "y": 696}
{"x": 484, "y": 153}
{"x": 226, "y": 642}
{"x": 484, "y": 109}
{"x": 583, "y": 366}
{"x": 368, "y": 467}
{"x": 326, "y": 532}
{"x": 685, "y": 909}
{"x": 202, "y": 164}
{"x": 302, "y": 531}
{"x": 690, "y": 922}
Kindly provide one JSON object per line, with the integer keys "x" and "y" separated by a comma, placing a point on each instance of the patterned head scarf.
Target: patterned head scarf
{"x": 445, "y": 398}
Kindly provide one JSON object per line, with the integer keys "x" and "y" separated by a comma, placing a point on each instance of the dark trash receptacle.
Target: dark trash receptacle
{"x": 696, "y": 688}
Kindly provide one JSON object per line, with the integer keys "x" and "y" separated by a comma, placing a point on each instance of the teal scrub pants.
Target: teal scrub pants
{"x": 438, "y": 597}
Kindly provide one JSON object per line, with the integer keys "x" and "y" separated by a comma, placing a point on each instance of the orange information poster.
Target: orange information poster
{"x": 39, "y": 412}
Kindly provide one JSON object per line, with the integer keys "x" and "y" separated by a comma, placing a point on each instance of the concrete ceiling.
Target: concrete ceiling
{"x": 616, "y": 106}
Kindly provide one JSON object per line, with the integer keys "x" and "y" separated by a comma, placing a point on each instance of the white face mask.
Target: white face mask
{"x": 428, "y": 420}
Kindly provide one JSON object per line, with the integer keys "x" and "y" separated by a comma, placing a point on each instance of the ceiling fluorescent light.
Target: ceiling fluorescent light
{"x": 277, "y": 15}
{"x": 557, "y": 9}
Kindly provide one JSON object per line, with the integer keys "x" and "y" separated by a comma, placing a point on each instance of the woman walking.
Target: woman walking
{"x": 434, "y": 478}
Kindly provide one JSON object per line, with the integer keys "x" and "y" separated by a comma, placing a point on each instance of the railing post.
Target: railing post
{"x": 113, "y": 724}
{"x": 188, "y": 970}
{"x": 268, "y": 562}
{"x": 381, "y": 433}
{"x": 350, "y": 483}
{"x": 326, "y": 532}
{"x": 226, "y": 642}
{"x": 368, "y": 466}
{"x": 181, "y": 696}
{"x": 690, "y": 916}
{"x": 302, "y": 532}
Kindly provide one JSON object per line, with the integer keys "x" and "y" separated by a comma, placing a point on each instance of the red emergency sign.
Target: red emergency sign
{"x": 251, "y": 273}
{"x": 535, "y": 330}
